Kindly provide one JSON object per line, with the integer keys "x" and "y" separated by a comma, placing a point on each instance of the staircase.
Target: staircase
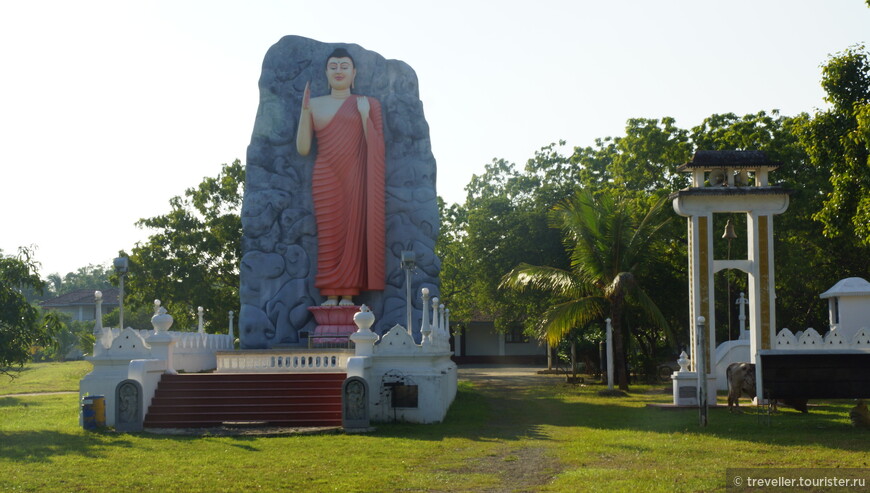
{"x": 212, "y": 399}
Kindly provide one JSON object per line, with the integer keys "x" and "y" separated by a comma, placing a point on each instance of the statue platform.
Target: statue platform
{"x": 334, "y": 324}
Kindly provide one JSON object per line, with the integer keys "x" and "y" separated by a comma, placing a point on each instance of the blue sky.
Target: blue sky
{"x": 108, "y": 109}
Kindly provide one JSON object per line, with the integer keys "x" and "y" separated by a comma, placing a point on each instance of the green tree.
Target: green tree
{"x": 609, "y": 239}
{"x": 95, "y": 277}
{"x": 74, "y": 337}
{"x": 192, "y": 259}
{"x": 487, "y": 232}
{"x": 22, "y": 325}
{"x": 807, "y": 261}
{"x": 838, "y": 139}
{"x": 642, "y": 161}
{"x": 503, "y": 222}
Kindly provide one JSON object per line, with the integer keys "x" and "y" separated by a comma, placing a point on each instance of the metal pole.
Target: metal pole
{"x": 121, "y": 265}
{"x": 701, "y": 369}
{"x": 121, "y": 302}
{"x": 408, "y": 310}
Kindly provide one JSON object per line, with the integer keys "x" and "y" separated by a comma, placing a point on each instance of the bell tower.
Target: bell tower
{"x": 731, "y": 182}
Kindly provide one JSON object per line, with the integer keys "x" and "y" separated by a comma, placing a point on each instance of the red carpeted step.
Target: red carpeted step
{"x": 210, "y": 399}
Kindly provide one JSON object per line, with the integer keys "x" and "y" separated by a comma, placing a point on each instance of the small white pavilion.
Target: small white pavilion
{"x": 849, "y": 306}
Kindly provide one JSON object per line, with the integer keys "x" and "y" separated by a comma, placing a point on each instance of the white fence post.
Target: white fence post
{"x": 232, "y": 337}
{"x": 701, "y": 368}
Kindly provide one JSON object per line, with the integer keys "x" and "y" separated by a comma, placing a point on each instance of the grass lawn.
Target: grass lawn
{"x": 46, "y": 377}
{"x": 551, "y": 437}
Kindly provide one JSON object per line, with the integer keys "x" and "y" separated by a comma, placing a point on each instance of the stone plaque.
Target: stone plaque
{"x": 129, "y": 414}
{"x": 355, "y": 404}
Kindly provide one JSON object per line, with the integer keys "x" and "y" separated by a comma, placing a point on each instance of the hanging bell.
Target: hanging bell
{"x": 729, "y": 233}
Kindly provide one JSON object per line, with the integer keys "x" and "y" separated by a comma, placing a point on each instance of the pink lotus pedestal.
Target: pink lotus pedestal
{"x": 334, "y": 324}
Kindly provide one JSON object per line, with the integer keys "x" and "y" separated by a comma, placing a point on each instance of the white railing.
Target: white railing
{"x": 810, "y": 339}
{"x": 195, "y": 351}
{"x": 292, "y": 360}
{"x": 436, "y": 328}
{"x": 193, "y": 341}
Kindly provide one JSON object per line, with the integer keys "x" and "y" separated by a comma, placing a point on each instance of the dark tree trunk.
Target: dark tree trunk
{"x": 619, "y": 362}
{"x": 574, "y": 359}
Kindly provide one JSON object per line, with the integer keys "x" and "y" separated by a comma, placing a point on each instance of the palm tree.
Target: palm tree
{"x": 608, "y": 238}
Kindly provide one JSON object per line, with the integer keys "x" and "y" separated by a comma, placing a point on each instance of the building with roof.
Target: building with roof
{"x": 81, "y": 305}
{"x": 479, "y": 341}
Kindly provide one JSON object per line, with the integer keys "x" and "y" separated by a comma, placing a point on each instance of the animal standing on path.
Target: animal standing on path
{"x": 741, "y": 380}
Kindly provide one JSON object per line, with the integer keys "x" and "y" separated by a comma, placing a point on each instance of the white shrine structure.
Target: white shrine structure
{"x": 371, "y": 378}
{"x": 728, "y": 182}
{"x": 736, "y": 182}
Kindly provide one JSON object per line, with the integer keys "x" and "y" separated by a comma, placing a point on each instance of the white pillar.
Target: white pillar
{"x": 425, "y": 329}
{"x": 98, "y": 313}
{"x": 762, "y": 295}
{"x": 436, "y": 320}
{"x": 701, "y": 356}
{"x": 742, "y": 302}
{"x": 162, "y": 343}
{"x": 99, "y": 348}
{"x": 364, "y": 339}
{"x": 701, "y": 293}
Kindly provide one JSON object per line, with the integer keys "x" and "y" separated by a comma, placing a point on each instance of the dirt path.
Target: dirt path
{"x": 30, "y": 394}
{"x": 523, "y": 460}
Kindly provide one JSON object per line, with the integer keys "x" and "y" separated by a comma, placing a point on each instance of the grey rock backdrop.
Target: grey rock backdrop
{"x": 279, "y": 244}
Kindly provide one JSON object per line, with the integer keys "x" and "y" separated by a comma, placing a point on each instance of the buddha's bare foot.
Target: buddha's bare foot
{"x": 330, "y": 301}
{"x": 346, "y": 301}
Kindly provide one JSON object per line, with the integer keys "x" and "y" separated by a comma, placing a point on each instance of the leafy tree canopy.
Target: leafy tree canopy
{"x": 482, "y": 238}
{"x": 838, "y": 141}
{"x": 192, "y": 259}
{"x": 22, "y": 325}
{"x": 609, "y": 242}
{"x": 95, "y": 277}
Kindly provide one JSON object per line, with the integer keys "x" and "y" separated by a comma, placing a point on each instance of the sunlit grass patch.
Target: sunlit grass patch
{"x": 547, "y": 437}
{"x": 46, "y": 377}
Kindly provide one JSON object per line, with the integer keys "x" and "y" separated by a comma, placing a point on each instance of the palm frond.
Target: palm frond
{"x": 559, "y": 282}
{"x": 560, "y": 319}
{"x": 640, "y": 298}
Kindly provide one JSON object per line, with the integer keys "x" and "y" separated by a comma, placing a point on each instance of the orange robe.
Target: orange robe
{"x": 348, "y": 191}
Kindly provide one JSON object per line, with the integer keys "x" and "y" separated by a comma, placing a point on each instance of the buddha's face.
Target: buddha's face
{"x": 340, "y": 73}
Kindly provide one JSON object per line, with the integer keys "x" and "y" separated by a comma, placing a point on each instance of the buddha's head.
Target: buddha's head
{"x": 340, "y": 70}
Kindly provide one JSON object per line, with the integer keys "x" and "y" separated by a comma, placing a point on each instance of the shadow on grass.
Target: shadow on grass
{"x": 488, "y": 412}
{"x": 15, "y": 401}
{"x": 238, "y": 441}
{"x": 44, "y": 446}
